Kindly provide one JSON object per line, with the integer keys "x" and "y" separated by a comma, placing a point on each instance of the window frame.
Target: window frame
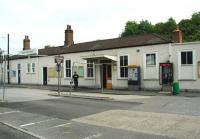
{"x": 68, "y": 68}
{"x": 18, "y": 66}
{"x": 186, "y": 57}
{"x": 90, "y": 67}
{"x": 33, "y": 67}
{"x": 123, "y": 66}
{"x": 151, "y": 63}
{"x": 28, "y": 67}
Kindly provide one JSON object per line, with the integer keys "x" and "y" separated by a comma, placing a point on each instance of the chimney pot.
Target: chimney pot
{"x": 68, "y": 27}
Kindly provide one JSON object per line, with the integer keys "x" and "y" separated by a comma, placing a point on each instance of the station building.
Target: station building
{"x": 143, "y": 62}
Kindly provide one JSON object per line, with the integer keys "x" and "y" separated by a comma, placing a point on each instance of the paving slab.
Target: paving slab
{"x": 177, "y": 126}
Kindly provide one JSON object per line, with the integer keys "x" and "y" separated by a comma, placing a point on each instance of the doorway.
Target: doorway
{"x": 166, "y": 73}
{"x": 44, "y": 75}
{"x": 19, "y": 73}
{"x": 107, "y": 76}
{"x": 19, "y": 76}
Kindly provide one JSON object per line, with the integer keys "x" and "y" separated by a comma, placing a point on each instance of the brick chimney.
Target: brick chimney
{"x": 68, "y": 36}
{"x": 177, "y": 36}
{"x": 26, "y": 43}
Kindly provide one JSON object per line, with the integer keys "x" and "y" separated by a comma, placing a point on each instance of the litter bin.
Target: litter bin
{"x": 176, "y": 89}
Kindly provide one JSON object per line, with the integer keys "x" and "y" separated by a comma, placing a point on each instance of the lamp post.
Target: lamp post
{"x": 8, "y": 64}
{"x": 3, "y": 59}
{"x": 3, "y": 73}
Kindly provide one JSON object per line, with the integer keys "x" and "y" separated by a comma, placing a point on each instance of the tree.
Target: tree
{"x": 145, "y": 27}
{"x": 131, "y": 28}
{"x": 189, "y": 27}
{"x": 166, "y": 29}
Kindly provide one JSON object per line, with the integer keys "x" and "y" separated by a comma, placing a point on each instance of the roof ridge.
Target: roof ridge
{"x": 161, "y": 37}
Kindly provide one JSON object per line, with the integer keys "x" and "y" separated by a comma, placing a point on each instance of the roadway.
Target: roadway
{"x": 49, "y": 117}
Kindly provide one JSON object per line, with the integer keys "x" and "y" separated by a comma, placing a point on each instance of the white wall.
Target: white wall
{"x": 28, "y": 78}
{"x": 186, "y": 75}
{"x": 136, "y": 56}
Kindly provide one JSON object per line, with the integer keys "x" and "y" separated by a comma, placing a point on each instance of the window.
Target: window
{"x": 18, "y": 66}
{"x": 123, "y": 66}
{"x": 28, "y": 67}
{"x": 33, "y": 67}
{"x": 151, "y": 59}
{"x": 90, "y": 72}
{"x": 186, "y": 57}
{"x": 68, "y": 68}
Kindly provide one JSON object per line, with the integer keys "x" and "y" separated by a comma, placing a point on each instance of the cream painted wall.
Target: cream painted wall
{"x": 186, "y": 75}
{"x": 136, "y": 55}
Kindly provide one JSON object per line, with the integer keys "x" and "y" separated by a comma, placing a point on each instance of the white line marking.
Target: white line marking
{"x": 8, "y": 112}
{"x": 93, "y": 136}
{"x": 37, "y": 122}
{"x": 61, "y": 125}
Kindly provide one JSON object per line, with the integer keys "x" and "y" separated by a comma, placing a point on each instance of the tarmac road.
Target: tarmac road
{"x": 7, "y": 132}
{"x": 151, "y": 117}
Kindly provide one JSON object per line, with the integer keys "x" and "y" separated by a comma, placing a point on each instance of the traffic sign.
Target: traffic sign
{"x": 59, "y": 59}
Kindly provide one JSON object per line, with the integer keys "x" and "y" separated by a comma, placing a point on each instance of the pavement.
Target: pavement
{"x": 105, "y": 94}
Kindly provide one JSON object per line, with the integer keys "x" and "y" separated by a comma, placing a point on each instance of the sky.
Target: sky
{"x": 44, "y": 21}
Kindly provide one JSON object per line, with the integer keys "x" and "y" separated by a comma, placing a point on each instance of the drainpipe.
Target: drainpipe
{"x": 170, "y": 52}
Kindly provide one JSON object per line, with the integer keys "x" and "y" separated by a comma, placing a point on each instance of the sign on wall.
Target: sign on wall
{"x": 52, "y": 73}
{"x": 198, "y": 69}
{"x": 79, "y": 70}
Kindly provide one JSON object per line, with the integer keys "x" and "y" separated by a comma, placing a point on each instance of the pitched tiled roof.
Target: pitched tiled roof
{"x": 131, "y": 41}
{"x": 13, "y": 57}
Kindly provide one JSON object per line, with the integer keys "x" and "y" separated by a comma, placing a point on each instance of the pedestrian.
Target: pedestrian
{"x": 75, "y": 78}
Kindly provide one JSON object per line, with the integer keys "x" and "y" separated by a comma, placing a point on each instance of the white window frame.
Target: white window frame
{"x": 92, "y": 67}
{"x": 28, "y": 67}
{"x": 119, "y": 66}
{"x": 186, "y": 51}
{"x": 33, "y": 67}
{"x": 146, "y": 66}
{"x": 181, "y": 65}
{"x": 69, "y": 68}
{"x": 154, "y": 62}
{"x": 18, "y": 66}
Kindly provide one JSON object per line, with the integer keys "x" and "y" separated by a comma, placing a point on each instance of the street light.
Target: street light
{"x": 3, "y": 72}
{"x": 3, "y": 67}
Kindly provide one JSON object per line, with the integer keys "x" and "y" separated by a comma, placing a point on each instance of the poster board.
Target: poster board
{"x": 52, "y": 73}
{"x": 81, "y": 71}
{"x": 198, "y": 69}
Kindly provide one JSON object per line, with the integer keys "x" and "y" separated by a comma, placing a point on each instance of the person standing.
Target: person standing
{"x": 75, "y": 78}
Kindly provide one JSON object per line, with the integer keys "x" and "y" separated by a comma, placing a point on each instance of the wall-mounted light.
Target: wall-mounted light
{"x": 138, "y": 50}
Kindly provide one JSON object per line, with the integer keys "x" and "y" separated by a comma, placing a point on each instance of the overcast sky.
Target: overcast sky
{"x": 44, "y": 21}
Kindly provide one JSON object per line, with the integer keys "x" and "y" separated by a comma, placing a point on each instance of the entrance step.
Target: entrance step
{"x": 167, "y": 88}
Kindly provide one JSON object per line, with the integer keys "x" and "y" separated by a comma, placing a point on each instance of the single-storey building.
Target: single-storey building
{"x": 146, "y": 61}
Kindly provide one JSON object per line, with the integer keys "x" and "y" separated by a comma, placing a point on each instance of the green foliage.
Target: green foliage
{"x": 165, "y": 29}
{"x": 133, "y": 28}
{"x": 189, "y": 27}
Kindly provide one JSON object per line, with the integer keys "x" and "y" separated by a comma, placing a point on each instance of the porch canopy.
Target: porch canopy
{"x": 110, "y": 57}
